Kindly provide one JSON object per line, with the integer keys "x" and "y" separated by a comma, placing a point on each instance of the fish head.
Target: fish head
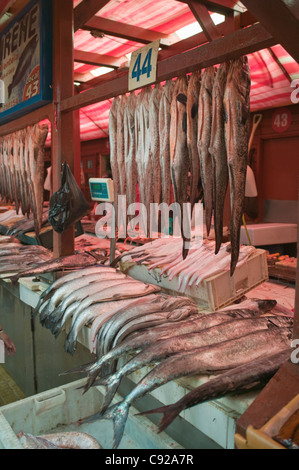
{"x": 265, "y": 305}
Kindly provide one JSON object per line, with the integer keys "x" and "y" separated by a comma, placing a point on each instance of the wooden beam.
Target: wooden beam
{"x": 92, "y": 58}
{"x": 279, "y": 20}
{"x": 223, "y": 7}
{"x": 63, "y": 135}
{"x": 184, "y": 45}
{"x": 122, "y": 30}
{"x": 46, "y": 112}
{"x": 86, "y": 10}
{"x": 203, "y": 17}
{"x": 234, "y": 45}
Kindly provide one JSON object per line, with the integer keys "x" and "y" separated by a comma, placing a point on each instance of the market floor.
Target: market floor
{"x": 9, "y": 390}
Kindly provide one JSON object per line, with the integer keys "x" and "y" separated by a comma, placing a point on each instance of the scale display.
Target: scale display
{"x": 101, "y": 189}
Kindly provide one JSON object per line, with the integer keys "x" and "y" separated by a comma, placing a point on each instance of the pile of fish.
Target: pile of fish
{"x": 16, "y": 257}
{"x": 200, "y": 264}
{"x": 111, "y": 302}
{"x": 22, "y": 171}
{"x": 191, "y": 129}
{"x": 18, "y": 260}
{"x": 241, "y": 346}
{"x": 62, "y": 440}
{"x": 14, "y": 225}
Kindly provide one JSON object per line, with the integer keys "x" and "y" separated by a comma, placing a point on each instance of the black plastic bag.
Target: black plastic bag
{"x": 68, "y": 205}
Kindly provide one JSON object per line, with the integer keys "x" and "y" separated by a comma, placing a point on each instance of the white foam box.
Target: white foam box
{"x": 60, "y": 409}
{"x": 269, "y": 234}
{"x": 214, "y": 292}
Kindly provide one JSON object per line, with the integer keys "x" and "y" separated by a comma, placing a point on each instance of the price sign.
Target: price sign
{"x": 282, "y": 120}
{"x": 143, "y": 66}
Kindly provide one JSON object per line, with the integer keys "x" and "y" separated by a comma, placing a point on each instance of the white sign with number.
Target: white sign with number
{"x": 143, "y": 66}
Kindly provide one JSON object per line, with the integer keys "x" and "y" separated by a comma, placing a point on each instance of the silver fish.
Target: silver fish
{"x": 203, "y": 142}
{"x": 237, "y": 121}
{"x": 208, "y": 359}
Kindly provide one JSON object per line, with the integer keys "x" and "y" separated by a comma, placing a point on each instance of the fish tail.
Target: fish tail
{"x": 118, "y": 413}
{"x": 170, "y": 412}
{"x": 69, "y": 344}
{"x": 83, "y": 368}
{"x": 111, "y": 383}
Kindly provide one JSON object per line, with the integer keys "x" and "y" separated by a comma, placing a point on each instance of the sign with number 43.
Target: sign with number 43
{"x": 143, "y": 66}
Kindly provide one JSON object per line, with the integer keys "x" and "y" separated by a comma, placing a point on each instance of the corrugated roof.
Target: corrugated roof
{"x": 272, "y": 70}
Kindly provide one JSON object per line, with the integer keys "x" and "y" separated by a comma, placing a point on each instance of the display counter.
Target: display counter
{"x": 41, "y": 358}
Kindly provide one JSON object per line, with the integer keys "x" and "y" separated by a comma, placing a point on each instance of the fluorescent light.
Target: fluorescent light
{"x": 77, "y": 83}
{"x": 189, "y": 30}
{"x": 100, "y": 71}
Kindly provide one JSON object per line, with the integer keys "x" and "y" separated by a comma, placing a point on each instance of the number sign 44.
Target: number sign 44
{"x": 143, "y": 66}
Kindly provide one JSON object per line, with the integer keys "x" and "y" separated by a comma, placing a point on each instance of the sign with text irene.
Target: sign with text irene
{"x": 26, "y": 61}
{"x": 143, "y": 66}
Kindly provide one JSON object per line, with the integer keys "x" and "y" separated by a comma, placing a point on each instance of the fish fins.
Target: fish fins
{"x": 170, "y": 412}
{"x": 83, "y": 368}
{"x": 182, "y": 98}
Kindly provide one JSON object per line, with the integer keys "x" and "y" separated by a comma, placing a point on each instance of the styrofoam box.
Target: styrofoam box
{"x": 60, "y": 409}
{"x": 214, "y": 292}
{"x": 269, "y": 234}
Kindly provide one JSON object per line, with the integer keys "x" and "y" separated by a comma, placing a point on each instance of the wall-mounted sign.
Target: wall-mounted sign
{"x": 26, "y": 61}
{"x": 143, "y": 66}
{"x": 281, "y": 120}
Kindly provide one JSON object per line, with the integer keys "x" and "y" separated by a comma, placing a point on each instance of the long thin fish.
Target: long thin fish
{"x": 237, "y": 121}
{"x": 113, "y": 149}
{"x": 164, "y": 136}
{"x": 208, "y": 359}
{"x": 183, "y": 343}
{"x": 203, "y": 141}
{"x": 179, "y": 155}
{"x": 218, "y": 152}
{"x": 154, "y": 105}
{"x": 192, "y": 129}
{"x": 130, "y": 149}
{"x": 239, "y": 379}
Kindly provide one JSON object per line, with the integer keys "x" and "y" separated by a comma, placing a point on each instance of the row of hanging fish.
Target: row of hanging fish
{"x": 200, "y": 264}
{"x": 190, "y": 129}
{"x": 22, "y": 171}
{"x": 113, "y": 303}
{"x": 245, "y": 344}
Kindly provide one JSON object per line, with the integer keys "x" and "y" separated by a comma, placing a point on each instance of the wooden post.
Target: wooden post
{"x": 63, "y": 138}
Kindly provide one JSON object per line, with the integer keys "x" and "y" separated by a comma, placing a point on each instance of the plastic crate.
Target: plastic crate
{"x": 60, "y": 409}
{"x": 214, "y": 292}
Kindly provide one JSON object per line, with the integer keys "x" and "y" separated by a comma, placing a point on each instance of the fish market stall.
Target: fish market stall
{"x": 151, "y": 326}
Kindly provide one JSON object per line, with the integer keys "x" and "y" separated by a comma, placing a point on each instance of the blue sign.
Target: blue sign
{"x": 26, "y": 61}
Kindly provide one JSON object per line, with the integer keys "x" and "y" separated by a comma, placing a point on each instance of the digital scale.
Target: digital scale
{"x": 102, "y": 190}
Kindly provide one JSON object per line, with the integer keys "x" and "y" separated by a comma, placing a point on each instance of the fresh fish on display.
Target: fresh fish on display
{"x": 238, "y": 379}
{"x": 77, "y": 260}
{"x": 192, "y": 129}
{"x": 113, "y": 149}
{"x": 179, "y": 155}
{"x": 218, "y": 152}
{"x": 37, "y": 138}
{"x": 251, "y": 309}
{"x": 206, "y": 360}
{"x": 23, "y": 64}
{"x": 60, "y": 440}
{"x": 154, "y": 106}
{"x": 164, "y": 137}
{"x": 130, "y": 149}
{"x": 62, "y": 281}
{"x": 121, "y": 144}
{"x": 203, "y": 141}
{"x": 183, "y": 343}
{"x": 237, "y": 121}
